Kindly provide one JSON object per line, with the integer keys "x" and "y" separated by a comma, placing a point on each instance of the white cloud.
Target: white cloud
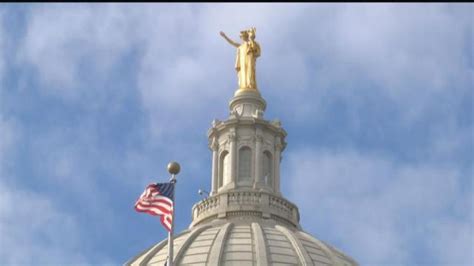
{"x": 379, "y": 210}
{"x": 9, "y": 135}
{"x": 34, "y": 231}
{"x": 71, "y": 44}
{"x": 411, "y": 55}
{"x": 453, "y": 241}
{"x": 35, "y": 227}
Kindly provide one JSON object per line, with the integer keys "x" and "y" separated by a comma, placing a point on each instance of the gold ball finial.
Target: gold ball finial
{"x": 173, "y": 168}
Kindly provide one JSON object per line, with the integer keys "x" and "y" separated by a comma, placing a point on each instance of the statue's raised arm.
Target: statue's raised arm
{"x": 229, "y": 40}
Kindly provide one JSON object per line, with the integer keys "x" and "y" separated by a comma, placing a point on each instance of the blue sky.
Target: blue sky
{"x": 377, "y": 100}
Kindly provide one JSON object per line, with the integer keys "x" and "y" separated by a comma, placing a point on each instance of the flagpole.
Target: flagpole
{"x": 173, "y": 169}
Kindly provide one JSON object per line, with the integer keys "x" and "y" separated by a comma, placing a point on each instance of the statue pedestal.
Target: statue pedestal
{"x": 247, "y": 92}
{"x": 248, "y": 103}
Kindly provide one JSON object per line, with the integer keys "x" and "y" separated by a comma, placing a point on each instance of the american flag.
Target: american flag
{"x": 157, "y": 200}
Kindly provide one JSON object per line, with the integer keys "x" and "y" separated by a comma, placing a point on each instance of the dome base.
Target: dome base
{"x": 244, "y": 242}
{"x": 245, "y": 203}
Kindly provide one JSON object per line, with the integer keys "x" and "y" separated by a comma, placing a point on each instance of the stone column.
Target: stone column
{"x": 215, "y": 164}
{"x": 233, "y": 158}
{"x": 276, "y": 169}
{"x": 258, "y": 159}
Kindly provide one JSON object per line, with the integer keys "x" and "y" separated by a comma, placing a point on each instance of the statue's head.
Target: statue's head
{"x": 244, "y": 35}
{"x": 252, "y": 33}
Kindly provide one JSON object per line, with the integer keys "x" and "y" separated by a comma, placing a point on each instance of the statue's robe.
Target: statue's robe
{"x": 241, "y": 65}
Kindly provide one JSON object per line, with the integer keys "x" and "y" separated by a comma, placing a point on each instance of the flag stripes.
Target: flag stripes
{"x": 157, "y": 200}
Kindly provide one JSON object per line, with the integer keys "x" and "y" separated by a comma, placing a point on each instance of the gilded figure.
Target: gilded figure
{"x": 246, "y": 58}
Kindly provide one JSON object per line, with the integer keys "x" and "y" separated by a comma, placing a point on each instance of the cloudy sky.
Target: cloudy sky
{"x": 377, "y": 100}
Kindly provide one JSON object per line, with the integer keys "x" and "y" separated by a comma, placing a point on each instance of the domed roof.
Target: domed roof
{"x": 244, "y": 242}
{"x": 245, "y": 220}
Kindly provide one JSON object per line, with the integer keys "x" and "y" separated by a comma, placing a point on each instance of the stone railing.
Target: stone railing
{"x": 243, "y": 197}
{"x": 267, "y": 205}
{"x": 206, "y": 205}
{"x": 282, "y": 206}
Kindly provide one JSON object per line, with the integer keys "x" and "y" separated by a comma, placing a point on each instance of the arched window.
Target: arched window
{"x": 245, "y": 164}
{"x": 224, "y": 169}
{"x": 267, "y": 168}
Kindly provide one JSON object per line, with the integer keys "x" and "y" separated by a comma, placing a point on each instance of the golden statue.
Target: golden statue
{"x": 246, "y": 58}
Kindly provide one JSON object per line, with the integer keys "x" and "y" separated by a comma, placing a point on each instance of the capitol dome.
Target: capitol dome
{"x": 245, "y": 242}
{"x": 245, "y": 220}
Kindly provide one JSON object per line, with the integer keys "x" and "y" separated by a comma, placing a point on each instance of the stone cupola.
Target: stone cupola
{"x": 246, "y": 149}
{"x": 246, "y": 154}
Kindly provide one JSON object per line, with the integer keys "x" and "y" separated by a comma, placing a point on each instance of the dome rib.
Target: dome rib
{"x": 323, "y": 246}
{"x": 260, "y": 247}
{"x": 148, "y": 254}
{"x": 192, "y": 236}
{"x": 198, "y": 248}
{"x": 239, "y": 246}
{"x": 153, "y": 251}
{"x": 298, "y": 247}
{"x": 215, "y": 254}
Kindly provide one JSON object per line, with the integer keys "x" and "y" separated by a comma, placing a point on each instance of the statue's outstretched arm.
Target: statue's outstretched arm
{"x": 229, "y": 40}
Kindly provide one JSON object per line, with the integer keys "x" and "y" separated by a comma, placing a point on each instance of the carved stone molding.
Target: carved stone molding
{"x": 278, "y": 144}
{"x": 214, "y": 144}
{"x": 246, "y": 202}
{"x": 231, "y": 136}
